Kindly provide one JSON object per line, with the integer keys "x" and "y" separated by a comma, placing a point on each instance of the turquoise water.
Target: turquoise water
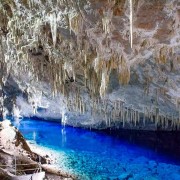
{"x": 98, "y": 156}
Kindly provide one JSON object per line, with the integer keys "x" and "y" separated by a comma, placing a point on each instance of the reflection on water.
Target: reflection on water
{"x": 34, "y": 136}
{"x": 17, "y": 122}
{"x": 160, "y": 141}
{"x": 63, "y": 131}
{"x": 95, "y": 155}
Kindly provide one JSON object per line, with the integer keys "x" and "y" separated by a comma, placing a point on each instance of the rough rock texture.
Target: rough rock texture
{"x": 108, "y": 63}
{"x": 12, "y": 140}
{"x": 13, "y": 144}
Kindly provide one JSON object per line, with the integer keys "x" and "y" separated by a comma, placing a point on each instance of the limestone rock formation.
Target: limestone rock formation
{"x": 17, "y": 158}
{"x": 103, "y": 63}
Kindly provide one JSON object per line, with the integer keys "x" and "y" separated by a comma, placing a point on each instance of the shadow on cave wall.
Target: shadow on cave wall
{"x": 11, "y": 90}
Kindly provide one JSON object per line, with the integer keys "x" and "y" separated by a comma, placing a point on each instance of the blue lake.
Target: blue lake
{"x": 99, "y": 156}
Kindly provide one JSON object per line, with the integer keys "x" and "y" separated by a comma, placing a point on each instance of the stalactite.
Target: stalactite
{"x": 133, "y": 116}
{"x": 161, "y": 122}
{"x": 178, "y": 118}
{"x": 162, "y": 56}
{"x": 144, "y": 116}
{"x": 166, "y": 122}
{"x": 124, "y": 72}
{"x": 178, "y": 123}
{"x": 104, "y": 82}
{"x": 131, "y": 22}
{"x": 172, "y": 121}
{"x": 130, "y": 114}
{"x": 106, "y": 118}
{"x": 131, "y": 110}
{"x": 53, "y": 23}
{"x": 75, "y": 23}
{"x": 106, "y": 24}
{"x": 120, "y": 109}
{"x": 83, "y": 106}
{"x": 117, "y": 109}
{"x": 150, "y": 116}
{"x": 156, "y": 116}
{"x": 80, "y": 105}
{"x": 136, "y": 116}
{"x": 123, "y": 118}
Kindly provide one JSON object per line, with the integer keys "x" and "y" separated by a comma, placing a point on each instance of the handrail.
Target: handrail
{"x": 36, "y": 169}
{"x": 28, "y": 169}
{"x": 5, "y": 165}
{"x": 27, "y": 164}
{"x": 1, "y": 165}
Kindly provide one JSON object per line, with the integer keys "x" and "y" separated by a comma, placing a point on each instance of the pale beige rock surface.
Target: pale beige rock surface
{"x": 88, "y": 49}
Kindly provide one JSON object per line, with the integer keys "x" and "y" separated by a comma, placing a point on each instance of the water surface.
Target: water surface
{"x": 98, "y": 156}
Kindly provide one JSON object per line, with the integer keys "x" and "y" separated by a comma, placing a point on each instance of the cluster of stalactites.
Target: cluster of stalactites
{"x": 118, "y": 113}
{"x": 56, "y": 72}
{"x": 162, "y": 54}
{"x": 106, "y": 21}
{"x": 25, "y": 34}
{"x": 75, "y": 23}
{"x": 105, "y": 67}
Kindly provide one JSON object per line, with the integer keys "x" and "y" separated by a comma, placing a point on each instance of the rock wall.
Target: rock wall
{"x": 103, "y": 63}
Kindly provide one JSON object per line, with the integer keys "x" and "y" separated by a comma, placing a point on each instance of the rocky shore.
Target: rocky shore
{"x": 15, "y": 150}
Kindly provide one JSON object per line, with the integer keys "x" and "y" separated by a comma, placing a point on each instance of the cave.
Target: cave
{"x": 90, "y": 89}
